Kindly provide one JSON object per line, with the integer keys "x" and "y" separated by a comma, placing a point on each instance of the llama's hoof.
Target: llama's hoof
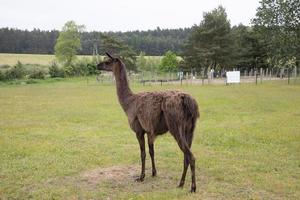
{"x": 180, "y": 185}
{"x": 153, "y": 173}
{"x": 193, "y": 189}
{"x": 140, "y": 179}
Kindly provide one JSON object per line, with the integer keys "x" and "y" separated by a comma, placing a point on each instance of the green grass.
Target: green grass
{"x": 247, "y": 143}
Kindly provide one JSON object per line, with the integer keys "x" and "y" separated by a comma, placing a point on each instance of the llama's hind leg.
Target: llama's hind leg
{"x": 141, "y": 139}
{"x": 192, "y": 164}
{"x": 151, "y": 152}
{"x": 191, "y": 160}
{"x": 185, "y": 167}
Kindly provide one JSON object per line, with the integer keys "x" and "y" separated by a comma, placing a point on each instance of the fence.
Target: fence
{"x": 256, "y": 76}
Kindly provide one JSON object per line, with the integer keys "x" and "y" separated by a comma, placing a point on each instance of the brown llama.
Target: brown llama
{"x": 155, "y": 113}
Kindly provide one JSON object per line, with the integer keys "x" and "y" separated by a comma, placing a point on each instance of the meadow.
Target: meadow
{"x": 39, "y": 59}
{"x": 70, "y": 139}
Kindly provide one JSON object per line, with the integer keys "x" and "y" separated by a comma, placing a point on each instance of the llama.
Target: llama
{"x": 155, "y": 113}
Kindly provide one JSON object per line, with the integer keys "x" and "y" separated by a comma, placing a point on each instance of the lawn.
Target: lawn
{"x": 71, "y": 140}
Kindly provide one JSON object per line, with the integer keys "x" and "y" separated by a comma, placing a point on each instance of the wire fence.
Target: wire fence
{"x": 256, "y": 76}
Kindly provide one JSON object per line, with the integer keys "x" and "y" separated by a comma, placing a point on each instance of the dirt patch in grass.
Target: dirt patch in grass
{"x": 114, "y": 173}
{"x": 123, "y": 178}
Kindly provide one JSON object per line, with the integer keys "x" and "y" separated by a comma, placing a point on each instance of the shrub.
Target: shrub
{"x": 92, "y": 69}
{"x": 16, "y": 72}
{"x": 80, "y": 68}
{"x": 169, "y": 62}
{"x": 2, "y": 76}
{"x": 37, "y": 73}
{"x": 55, "y": 71}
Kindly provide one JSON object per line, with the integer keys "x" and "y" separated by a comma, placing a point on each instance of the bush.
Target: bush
{"x": 169, "y": 62}
{"x": 92, "y": 69}
{"x": 37, "y": 73}
{"x": 16, "y": 72}
{"x": 2, "y": 76}
{"x": 55, "y": 71}
{"x": 80, "y": 68}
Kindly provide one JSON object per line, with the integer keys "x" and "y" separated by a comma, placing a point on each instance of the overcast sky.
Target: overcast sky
{"x": 118, "y": 15}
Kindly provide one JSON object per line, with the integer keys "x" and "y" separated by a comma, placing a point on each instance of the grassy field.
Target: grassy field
{"x": 71, "y": 140}
{"x": 41, "y": 59}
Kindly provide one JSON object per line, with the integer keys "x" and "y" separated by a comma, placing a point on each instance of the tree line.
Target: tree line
{"x": 152, "y": 42}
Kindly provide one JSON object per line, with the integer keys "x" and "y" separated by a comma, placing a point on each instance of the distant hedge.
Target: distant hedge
{"x": 19, "y": 71}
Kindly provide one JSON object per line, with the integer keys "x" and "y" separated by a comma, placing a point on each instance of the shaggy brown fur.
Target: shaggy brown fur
{"x": 155, "y": 113}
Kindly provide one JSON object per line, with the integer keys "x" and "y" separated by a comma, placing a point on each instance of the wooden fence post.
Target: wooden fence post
{"x": 261, "y": 74}
{"x": 295, "y": 73}
{"x": 288, "y": 76}
{"x": 255, "y": 73}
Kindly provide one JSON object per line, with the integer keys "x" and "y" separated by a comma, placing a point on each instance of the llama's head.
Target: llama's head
{"x": 109, "y": 64}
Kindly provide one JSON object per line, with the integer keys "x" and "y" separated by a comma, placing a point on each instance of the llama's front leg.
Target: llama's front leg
{"x": 141, "y": 140}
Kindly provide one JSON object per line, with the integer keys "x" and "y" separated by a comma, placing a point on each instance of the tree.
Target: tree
{"x": 68, "y": 43}
{"x": 210, "y": 43}
{"x": 169, "y": 62}
{"x": 141, "y": 62}
{"x": 278, "y": 24}
{"x": 249, "y": 50}
{"x": 119, "y": 49}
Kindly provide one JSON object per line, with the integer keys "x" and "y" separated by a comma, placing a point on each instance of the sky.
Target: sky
{"x": 118, "y": 15}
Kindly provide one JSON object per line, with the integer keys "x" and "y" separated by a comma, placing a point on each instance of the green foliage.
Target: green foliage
{"x": 141, "y": 62}
{"x": 148, "y": 63}
{"x": 153, "y": 63}
{"x": 2, "y": 76}
{"x": 119, "y": 49}
{"x": 210, "y": 43}
{"x": 68, "y": 43}
{"x": 81, "y": 67}
{"x": 249, "y": 51}
{"x": 37, "y": 73}
{"x": 169, "y": 62}
{"x": 56, "y": 71}
{"x": 152, "y": 42}
{"x": 278, "y": 24}
{"x": 92, "y": 64}
{"x": 16, "y": 72}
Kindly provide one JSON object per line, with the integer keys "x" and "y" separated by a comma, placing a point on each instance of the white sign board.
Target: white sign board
{"x": 233, "y": 77}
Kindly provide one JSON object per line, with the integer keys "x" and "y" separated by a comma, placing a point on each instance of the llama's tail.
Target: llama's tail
{"x": 190, "y": 108}
{"x": 181, "y": 112}
{"x": 191, "y": 113}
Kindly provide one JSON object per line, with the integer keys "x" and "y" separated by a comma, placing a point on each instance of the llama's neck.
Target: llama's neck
{"x": 123, "y": 91}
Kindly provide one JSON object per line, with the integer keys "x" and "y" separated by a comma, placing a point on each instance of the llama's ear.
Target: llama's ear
{"x": 108, "y": 55}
